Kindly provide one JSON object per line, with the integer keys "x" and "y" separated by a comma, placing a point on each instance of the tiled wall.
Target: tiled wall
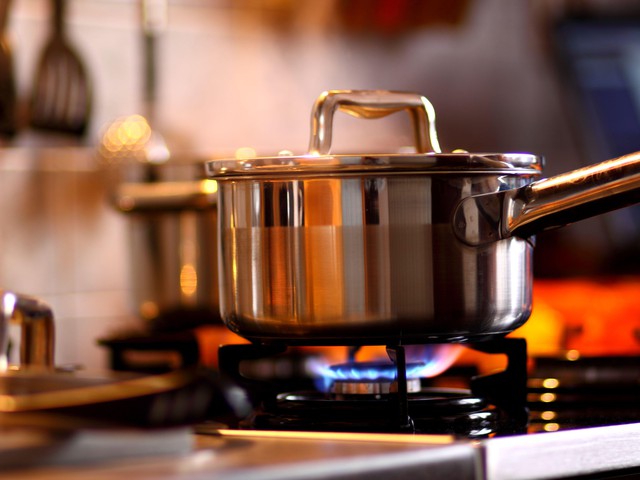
{"x": 228, "y": 79}
{"x": 61, "y": 241}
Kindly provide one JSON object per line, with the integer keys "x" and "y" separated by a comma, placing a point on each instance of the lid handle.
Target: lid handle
{"x": 373, "y": 104}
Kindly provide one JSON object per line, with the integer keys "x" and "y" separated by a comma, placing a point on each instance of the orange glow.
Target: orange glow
{"x": 342, "y": 436}
{"x": 551, "y": 427}
{"x": 548, "y": 415}
{"x": 149, "y": 310}
{"x": 548, "y": 397}
{"x": 583, "y": 317}
{"x": 131, "y": 137}
{"x": 208, "y": 186}
{"x": 188, "y": 280}
{"x": 209, "y": 338}
{"x": 245, "y": 153}
{"x": 572, "y": 355}
{"x": 125, "y": 135}
{"x": 323, "y": 209}
{"x": 446, "y": 355}
{"x": 423, "y": 361}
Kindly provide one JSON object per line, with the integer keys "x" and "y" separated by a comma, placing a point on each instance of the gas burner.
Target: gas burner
{"x": 371, "y": 378}
{"x": 399, "y": 402}
{"x": 374, "y": 387}
{"x": 433, "y": 410}
{"x": 445, "y": 400}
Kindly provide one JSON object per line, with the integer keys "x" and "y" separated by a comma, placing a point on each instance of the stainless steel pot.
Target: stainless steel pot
{"x": 425, "y": 247}
{"x": 36, "y": 327}
{"x": 172, "y": 225}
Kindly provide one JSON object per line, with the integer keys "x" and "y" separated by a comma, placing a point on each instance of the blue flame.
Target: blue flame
{"x": 423, "y": 361}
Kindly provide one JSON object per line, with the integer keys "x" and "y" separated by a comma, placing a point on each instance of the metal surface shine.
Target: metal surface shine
{"x": 384, "y": 249}
{"x": 364, "y": 259}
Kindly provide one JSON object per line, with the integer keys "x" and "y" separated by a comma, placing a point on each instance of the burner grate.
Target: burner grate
{"x": 495, "y": 403}
{"x": 438, "y": 411}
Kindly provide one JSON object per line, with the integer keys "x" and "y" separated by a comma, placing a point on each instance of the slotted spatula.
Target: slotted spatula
{"x": 61, "y": 98}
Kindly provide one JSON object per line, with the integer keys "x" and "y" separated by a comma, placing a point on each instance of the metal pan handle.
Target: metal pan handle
{"x": 162, "y": 197}
{"x": 372, "y": 104}
{"x": 37, "y": 336}
{"x": 549, "y": 203}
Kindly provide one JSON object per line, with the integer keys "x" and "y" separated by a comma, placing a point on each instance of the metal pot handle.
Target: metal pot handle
{"x": 37, "y": 338}
{"x": 549, "y": 203}
{"x": 166, "y": 196}
{"x": 372, "y": 104}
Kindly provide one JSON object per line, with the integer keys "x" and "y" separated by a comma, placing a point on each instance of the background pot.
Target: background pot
{"x": 172, "y": 243}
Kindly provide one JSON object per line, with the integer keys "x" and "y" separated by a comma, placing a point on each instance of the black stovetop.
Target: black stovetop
{"x": 527, "y": 396}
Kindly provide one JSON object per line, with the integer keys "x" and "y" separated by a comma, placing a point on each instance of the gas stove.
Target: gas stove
{"x": 535, "y": 418}
{"x": 329, "y": 412}
{"x": 386, "y": 395}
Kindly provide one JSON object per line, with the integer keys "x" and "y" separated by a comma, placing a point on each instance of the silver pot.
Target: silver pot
{"x": 172, "y": 227}
{"x": 37, "y": 328}
{"x": 425, "y": 247}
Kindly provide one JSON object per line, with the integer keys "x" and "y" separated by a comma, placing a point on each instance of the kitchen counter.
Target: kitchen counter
{"x": 246, "y": 455}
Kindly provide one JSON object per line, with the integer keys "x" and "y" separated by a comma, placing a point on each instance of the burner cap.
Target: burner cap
{"x": 372, "y": 387}
{"x": 370, "y": 378}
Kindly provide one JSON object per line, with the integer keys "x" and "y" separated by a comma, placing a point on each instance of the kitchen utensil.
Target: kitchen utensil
{"x": 36, "y": 391}
{"x": 37, "y": 330}
{"x": 380, "y": 249}
{"x": 61, "y": 97}
{"x": 8, "y": 119}
{"x": 154, "y": 14}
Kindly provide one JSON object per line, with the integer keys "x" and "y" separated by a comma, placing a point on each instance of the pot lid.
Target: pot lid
{"x": 374, "y": 104}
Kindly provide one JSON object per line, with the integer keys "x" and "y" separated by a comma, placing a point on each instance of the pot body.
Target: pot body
{"x": 392, "y": 248}
{"x": 174, "y": 268}
{"x": 172, "y": 220}
{"x": 366, "y": 259}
